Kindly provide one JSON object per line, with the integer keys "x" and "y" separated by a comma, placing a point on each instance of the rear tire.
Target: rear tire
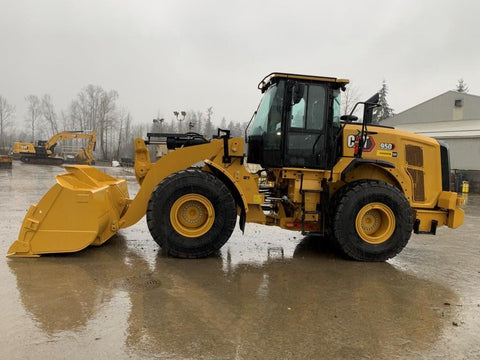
{"x": 373, "y": 221}
{"x": 191, "y": 214}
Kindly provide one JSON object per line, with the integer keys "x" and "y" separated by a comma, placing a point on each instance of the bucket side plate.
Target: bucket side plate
{"x": 82, "y": 209}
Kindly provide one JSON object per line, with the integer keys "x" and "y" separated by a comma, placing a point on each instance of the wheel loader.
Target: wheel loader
{"x": 364, "y": 186}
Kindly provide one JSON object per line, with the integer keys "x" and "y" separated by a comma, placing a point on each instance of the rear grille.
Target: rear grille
{"x": 414, "y": 155}
{"x": 414, "y": 158}
{"x": 418, "y": 184}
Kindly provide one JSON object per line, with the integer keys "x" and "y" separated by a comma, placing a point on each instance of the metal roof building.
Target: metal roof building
{"x": 452, "y": 117}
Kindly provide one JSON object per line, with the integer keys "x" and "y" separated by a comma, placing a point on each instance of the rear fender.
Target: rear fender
{"x": 350, "y": 172}
{"x": 373, "y": 172}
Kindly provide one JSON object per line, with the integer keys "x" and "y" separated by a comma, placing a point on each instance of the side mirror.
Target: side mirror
{"x": 373, "y": 99}
{"x": 349, "y": 117}
{"x": 370, "y": 104}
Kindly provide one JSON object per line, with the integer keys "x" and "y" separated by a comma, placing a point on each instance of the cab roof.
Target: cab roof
{"x": 269, "y": 79}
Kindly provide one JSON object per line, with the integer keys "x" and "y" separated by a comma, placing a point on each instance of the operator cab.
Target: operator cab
{"x": 296, "y": 121}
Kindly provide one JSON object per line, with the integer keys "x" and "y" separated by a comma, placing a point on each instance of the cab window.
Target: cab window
{"x": 309, "y": 112}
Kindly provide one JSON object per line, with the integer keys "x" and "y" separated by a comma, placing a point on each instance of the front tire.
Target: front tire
{"x": 373, "y": 221}
{"x": 191, "y": 214}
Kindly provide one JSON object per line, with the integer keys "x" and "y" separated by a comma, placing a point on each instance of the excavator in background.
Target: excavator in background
{"x": 5, "y": 162}
{"x": 364, "y": 186}
{"x": 43, "y": 152}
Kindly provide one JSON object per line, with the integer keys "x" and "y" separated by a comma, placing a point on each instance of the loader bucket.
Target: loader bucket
{"x": 82, "y": 209}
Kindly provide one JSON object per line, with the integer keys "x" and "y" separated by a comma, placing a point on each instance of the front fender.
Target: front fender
{"x": 244, "y": 187}
{"x": 172, "y": 162}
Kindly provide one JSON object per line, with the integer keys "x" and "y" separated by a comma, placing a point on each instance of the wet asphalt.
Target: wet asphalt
{"x": 268, "y": 294}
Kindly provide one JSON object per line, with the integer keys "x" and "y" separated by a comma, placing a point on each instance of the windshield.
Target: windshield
{"x": 268, "y": 119}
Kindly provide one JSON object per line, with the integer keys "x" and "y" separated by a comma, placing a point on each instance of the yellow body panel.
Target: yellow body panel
{"x": 416, "y": 171}
{"x": 390, "y": 145}
{"x": 5, "y": 161}
{"x": 20, "y": 147}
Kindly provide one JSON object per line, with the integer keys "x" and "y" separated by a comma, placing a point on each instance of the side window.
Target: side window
{"x": 316, "y": 107}
{"x": 297, "y": 117}
{"x": 309, "y": 112}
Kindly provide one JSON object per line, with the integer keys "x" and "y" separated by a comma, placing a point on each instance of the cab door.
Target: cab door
{"x": 306, "y": 118}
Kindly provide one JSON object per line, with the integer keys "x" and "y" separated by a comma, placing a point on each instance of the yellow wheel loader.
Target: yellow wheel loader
{"x": 362, "y": 185}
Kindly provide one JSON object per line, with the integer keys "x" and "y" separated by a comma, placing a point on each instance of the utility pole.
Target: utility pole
{"x": 158, "y": 124}
{"x": 183, "y": 113}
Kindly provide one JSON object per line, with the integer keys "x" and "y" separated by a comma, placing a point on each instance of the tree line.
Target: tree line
{"x": 97, "y": 109}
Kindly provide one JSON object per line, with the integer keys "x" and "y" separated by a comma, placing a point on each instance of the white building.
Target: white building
{"x": 453, "y": 118}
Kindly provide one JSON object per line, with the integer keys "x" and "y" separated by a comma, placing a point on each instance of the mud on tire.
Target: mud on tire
{"x": 191, "y": 214}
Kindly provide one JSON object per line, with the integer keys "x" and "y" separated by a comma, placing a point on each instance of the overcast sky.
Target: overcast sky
{"x": 163, "y": 56}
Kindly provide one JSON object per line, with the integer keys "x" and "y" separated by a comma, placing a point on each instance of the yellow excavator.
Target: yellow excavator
{"x": 364, "y": 186}
{"x": 43, "y": 152}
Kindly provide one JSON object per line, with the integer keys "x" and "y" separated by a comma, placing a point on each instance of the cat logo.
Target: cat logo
{"x": 368, "y": 143}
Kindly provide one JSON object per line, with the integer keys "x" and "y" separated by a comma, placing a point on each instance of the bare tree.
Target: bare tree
{"x": 92, "y": 97}
{"x": 199, "y": 120}
{"x": 209, "y": 127}
{"x": 96, "y": 109}
{"x": 48, "y": 114}
{"x": 349, "y": 99}
{"x": 78, "y": 114}
{"x": 124, "y": 141}
{"x": 33, "y": 113}
{"x": 65, "y": 118}
{"x": 223, "y": 123}
{"x": 7, "y": 112}
{"x": 127, "y": 142}
{"x": 106, "y": 121}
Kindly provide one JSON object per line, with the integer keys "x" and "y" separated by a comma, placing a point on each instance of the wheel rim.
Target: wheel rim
{"x": 192, "y": 215}
{"x": 375, "y": 223}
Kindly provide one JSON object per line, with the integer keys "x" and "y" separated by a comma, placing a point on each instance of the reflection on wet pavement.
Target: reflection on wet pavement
{"x": 267, "y": 295}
